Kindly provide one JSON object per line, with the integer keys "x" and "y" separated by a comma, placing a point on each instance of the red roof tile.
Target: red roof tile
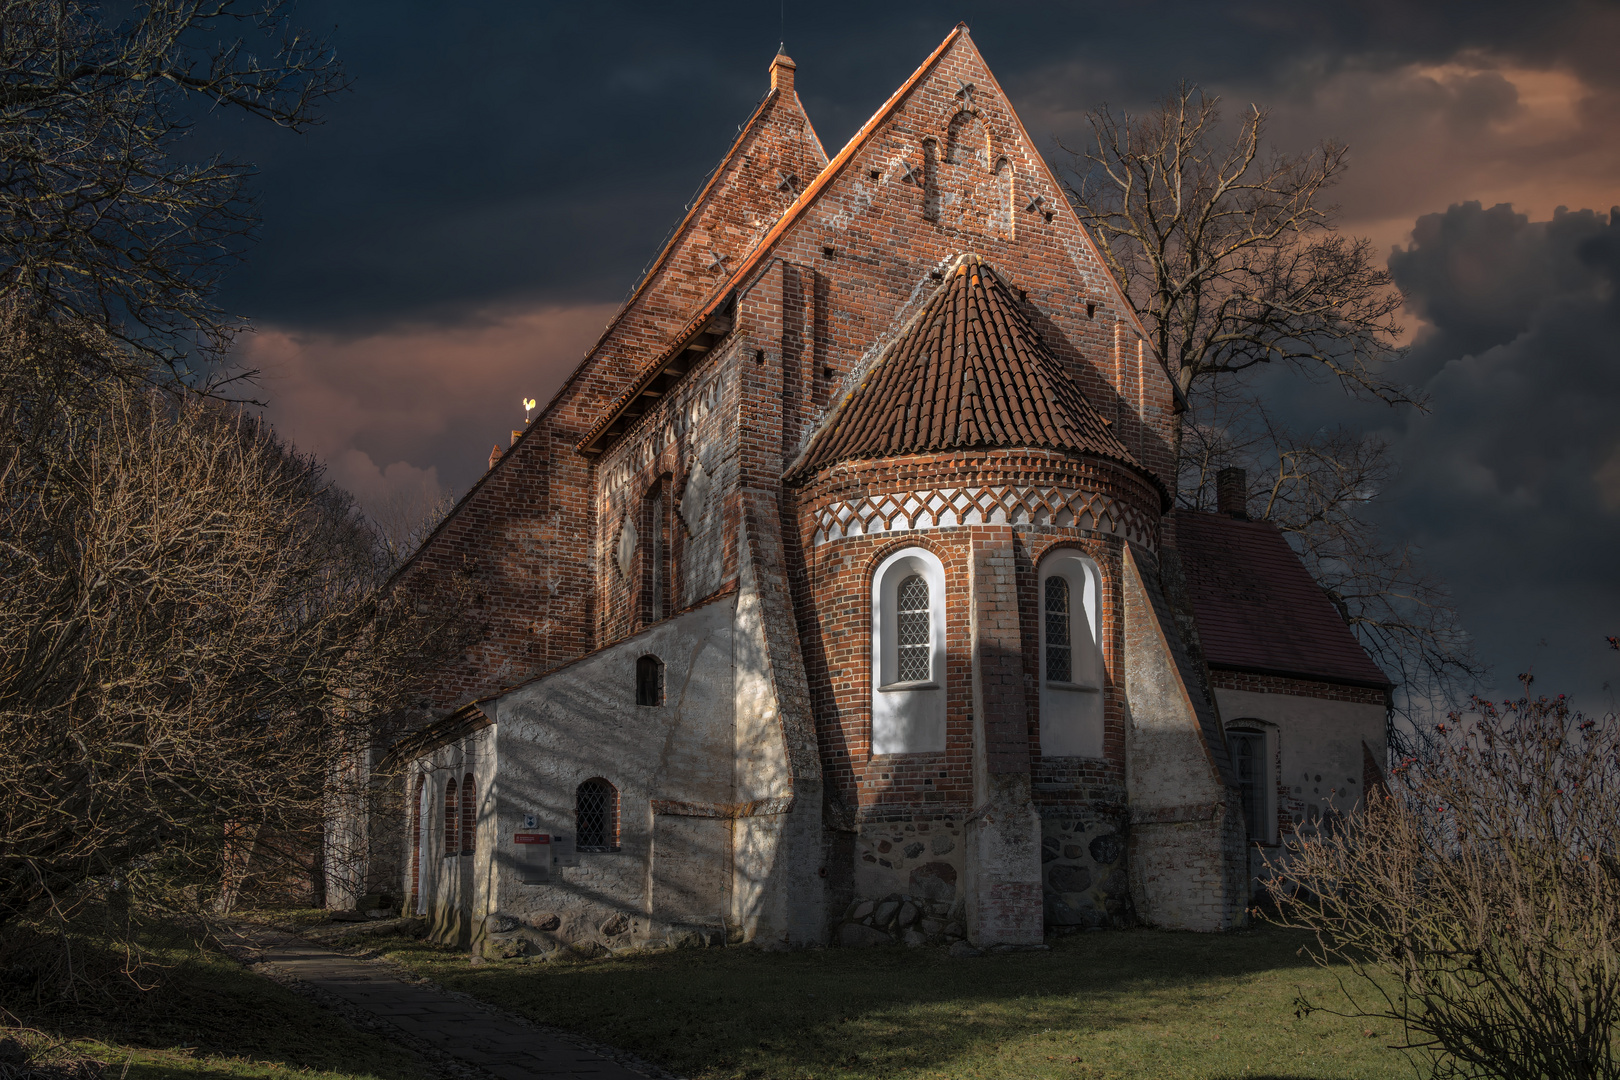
{"x": 970, "y": 371}
{"x": 1257, "y": 607}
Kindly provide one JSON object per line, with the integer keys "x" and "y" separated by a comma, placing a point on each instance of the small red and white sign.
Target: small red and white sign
{"x": 531, "y": 838}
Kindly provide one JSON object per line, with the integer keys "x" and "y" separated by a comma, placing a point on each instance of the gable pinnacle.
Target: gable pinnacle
{"x": 782, "y": 68}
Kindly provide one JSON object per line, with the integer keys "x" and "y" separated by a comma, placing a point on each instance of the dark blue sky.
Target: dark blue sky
{"x": 465, "y": 221}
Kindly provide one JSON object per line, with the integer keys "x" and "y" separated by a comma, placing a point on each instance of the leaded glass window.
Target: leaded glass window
{"x": 596, "y": 816}
{"x": 1059, "y": 644}
{"x": 913, "y": 625}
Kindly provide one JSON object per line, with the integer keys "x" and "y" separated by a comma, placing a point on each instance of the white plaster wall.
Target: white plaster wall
{"x": 1317, "y": 763}
{"x": 1186, "y": 860}
{"x": 583, "y": 722}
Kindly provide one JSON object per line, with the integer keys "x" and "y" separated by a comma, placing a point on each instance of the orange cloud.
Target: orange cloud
{"x": 407, "y": 415}
{"x": 1425, "y": 136}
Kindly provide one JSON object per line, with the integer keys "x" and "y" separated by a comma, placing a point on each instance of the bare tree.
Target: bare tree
{"x": 102, "y": 221}
{"x": 1229, "y": 254}
{"x": 193, "y": 626}
{"x": 1227, "y": 251}
{"x": 1477, "y": 903}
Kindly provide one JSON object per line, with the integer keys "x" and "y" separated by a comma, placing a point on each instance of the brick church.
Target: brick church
{"x": 837, "y": 596}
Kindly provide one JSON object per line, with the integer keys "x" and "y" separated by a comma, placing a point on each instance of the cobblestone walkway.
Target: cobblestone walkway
{"x": 451, "y": 1024}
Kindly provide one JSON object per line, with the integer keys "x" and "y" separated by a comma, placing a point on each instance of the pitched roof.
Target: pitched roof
{"x": 1259, "y": 610}
{"x": 970, "y": 371}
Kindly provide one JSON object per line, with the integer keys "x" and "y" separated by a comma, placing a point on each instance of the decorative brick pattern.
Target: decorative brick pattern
{"x": 1224, "y": 679}
{"x": 943, "y": 509}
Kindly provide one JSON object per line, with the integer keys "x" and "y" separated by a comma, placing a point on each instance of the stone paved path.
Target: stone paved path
{"x": 501, "y": 1047}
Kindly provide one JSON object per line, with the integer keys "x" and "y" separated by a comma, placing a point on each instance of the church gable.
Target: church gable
{"x": 946, "y": 168}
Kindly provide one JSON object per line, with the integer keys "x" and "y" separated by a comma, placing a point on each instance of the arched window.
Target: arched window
{"x": 419, "y": 818}
{"x": 1059, "y": 631}
{"x": 655, "y": 563}
{"x": 452, "y": 819}
{"x": 1251, "y": 759}
{"x": 908, "y": 653}
{"x": 1071, "y": 657}
{"x": 649, "y": 680}
{"x": 596, "y": 816}
{"x": 469, "y": 815}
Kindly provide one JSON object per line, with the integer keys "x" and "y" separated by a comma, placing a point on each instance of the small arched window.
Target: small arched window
{"x": 469, "y": 815}
{"x": 596, "y": 816}
{"x": 908, "y": 653}
{"x": 452, "y": 819}
{"x": 1071, "y": 657}
{"x": 649, "y": 680}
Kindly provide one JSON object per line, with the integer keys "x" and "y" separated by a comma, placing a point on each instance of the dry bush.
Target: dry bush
{"x": 194, "y": 626}
{"x": 1478, "y": 901}
{"x": 28, "y": 1054}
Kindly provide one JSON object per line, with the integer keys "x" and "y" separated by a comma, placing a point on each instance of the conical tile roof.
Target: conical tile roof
{"x": 970, "y": 371}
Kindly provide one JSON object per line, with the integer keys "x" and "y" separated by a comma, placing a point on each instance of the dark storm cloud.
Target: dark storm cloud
{"x": 538, "y": 152}
{"x": 1511, "y": 484}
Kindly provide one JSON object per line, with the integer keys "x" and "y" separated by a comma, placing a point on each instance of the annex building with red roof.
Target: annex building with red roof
{"x": 837, "y": 596}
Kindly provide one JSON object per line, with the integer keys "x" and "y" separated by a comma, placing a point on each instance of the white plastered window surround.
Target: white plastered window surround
{"x": 1253, "y": 748}
{"x": 908, "y": 713}
{"x": 1071, "y": 674}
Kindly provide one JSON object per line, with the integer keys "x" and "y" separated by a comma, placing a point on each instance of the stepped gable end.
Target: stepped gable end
{"x": 969, "y": 372}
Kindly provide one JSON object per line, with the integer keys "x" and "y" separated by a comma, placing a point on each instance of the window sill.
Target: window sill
{"x": 593, "y": 850}
{"x": 903, "y": 687}
{"x": 1079, "y": 688}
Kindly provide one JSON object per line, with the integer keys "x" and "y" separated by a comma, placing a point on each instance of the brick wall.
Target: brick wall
{"x": 1223, "y": 679}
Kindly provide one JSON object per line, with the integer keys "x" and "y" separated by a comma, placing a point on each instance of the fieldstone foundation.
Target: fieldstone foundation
{"x": 1084, "y": 883}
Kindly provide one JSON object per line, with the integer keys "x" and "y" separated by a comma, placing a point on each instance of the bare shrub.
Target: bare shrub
{"x": 1477, "y": 902}
{"x": 194, "y": 626}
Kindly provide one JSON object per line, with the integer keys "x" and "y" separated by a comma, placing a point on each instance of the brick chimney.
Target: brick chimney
{"x": 494, "y": 455}
{"x": 782, "y": 69}
{"x": 1232, "y": 493}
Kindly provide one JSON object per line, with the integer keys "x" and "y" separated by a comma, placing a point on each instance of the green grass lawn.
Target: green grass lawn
{"x": 1110, "y": 1004}
{"x": 209, "y": 1017}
